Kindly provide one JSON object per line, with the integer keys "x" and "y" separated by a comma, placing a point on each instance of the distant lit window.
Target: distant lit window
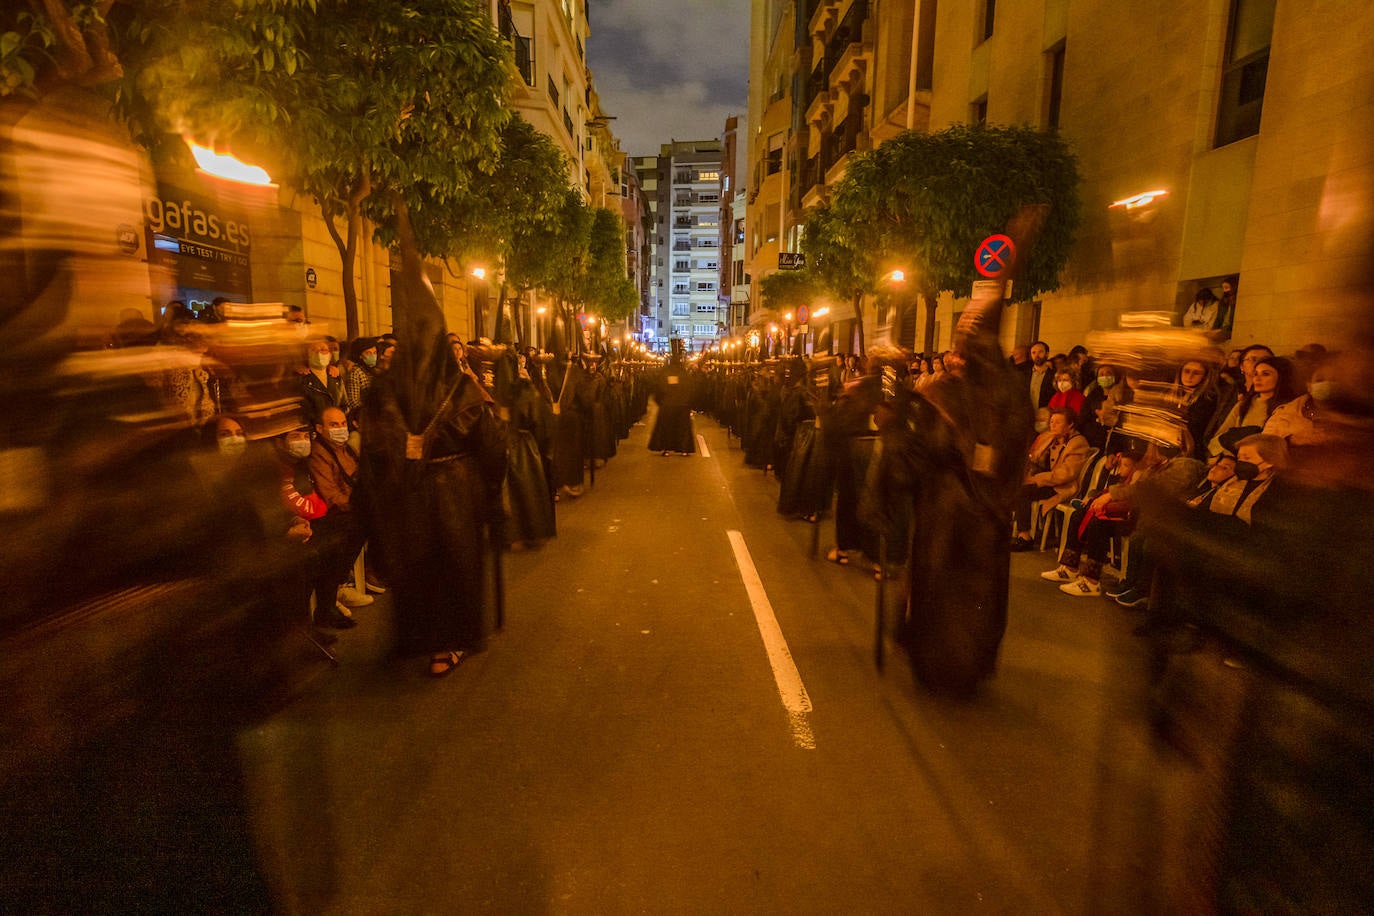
{"x": 1245, "y": 70}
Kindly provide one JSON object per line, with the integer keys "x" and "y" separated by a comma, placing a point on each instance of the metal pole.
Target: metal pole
{"x": 880, "y": 610}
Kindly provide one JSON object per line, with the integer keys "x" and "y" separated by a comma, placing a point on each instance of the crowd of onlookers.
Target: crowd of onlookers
{"x": 1211, "y": 431}
{"x": 562, "y": 418}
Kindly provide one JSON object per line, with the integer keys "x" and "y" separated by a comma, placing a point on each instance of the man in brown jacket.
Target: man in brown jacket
{"x": 333, "y": 467}
{"x": 1053, "y": 474}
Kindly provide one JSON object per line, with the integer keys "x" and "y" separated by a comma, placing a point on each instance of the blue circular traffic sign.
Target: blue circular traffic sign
{"x": 994, "y": 256}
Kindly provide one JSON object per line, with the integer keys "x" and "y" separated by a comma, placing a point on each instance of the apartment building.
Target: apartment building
{"x": 688, "y": 227}
{"x": 1215, "y": 138}
{"x": 550, "y": 39}
{"x": 652, "y": 320}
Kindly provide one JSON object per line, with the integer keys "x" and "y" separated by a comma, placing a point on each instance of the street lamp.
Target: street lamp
{"x": 223, "y": 165}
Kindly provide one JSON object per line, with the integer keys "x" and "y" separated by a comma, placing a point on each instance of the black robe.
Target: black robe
{"x": 672, "y": 430}
{"x": 958, "y": 455}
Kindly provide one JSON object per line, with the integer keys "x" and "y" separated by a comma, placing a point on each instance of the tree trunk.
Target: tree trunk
{"x": 859, "y": 320}
{"x": 932, "y": 300}
{"x": 348, "y": 248}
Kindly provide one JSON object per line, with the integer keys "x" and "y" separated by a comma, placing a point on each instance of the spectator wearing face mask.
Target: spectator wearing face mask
{"x": 1133, "y": 589}
{"x": 1066, "y": 393}
{"x": 333, "y": 468}
{"x": 1100, "y": 402}
{"x": 1301, "y": 421}
{"x": 361, "y": 371}
{"x": 1258, "y": 459}
{"x": 298, "y": 491}
{"x": 321, "y": 382}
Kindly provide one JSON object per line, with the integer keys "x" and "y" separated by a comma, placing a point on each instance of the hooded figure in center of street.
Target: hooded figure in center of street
{"x": 673, "y": 426}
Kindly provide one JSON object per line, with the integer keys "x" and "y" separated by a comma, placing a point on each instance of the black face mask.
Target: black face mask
{"x": 1247, "y": 470}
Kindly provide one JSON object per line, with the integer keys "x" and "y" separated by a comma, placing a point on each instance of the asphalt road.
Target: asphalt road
{"x": 624, "y": 745}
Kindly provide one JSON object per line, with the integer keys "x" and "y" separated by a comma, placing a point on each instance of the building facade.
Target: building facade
{"x": 687, "y": 228}
{"x": 1216, "y": 139}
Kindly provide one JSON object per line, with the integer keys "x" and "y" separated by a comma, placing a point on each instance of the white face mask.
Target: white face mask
{"x": 1064, "y": 385}
{"x": 338, "y": 435}
{"x": 319, "y": 360}
{"x": 233, "y": 446}
{"x": 298, "y": 448}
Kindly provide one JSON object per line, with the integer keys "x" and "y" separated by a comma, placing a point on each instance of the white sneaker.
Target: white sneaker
{"x": 1059, "y": 574}
{"x": 1081, "y": 588}
{"x": 351, "y": 597}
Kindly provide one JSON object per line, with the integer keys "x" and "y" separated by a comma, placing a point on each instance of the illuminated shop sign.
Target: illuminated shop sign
{"x": 206, "y": 248}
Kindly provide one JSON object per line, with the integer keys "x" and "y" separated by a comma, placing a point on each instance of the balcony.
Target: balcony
{"x": 524, "y": 59}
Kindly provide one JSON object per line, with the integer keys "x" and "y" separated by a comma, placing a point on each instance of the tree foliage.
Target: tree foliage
{"x": 371, "y": 106}
{"x": 785, "y": 289}
{"x": 606, "y": 288}
{"x": 925, "y": 200}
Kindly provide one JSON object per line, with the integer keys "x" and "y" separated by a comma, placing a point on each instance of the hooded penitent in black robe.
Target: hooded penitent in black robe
{"x": 571, "y": 428}
{"x": 959, "y": 455}
{"x": 528, "y": 499}
{"x": 673, "y": 427}
{"x": 433, "y": 459}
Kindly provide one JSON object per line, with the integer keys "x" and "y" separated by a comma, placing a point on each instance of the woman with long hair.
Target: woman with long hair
{"x": 1271, "y": 385}
{"x": 1196, "y": 395}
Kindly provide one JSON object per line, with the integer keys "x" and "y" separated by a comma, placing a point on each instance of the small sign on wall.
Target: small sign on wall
{"x": 311, "y": 279}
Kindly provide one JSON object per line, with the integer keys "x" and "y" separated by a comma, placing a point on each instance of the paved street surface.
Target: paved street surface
{"x": 624, "y": 746}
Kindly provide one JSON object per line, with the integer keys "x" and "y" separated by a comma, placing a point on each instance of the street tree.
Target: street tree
{"x": 924, "y": 201}
{"x": 839, "y": 262}
{"x": 606, "y": 287}
{"x": 509, "y": 215}
{"x": 374, "y": 107}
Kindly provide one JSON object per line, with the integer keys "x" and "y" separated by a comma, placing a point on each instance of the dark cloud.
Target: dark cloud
{"x": 669, "y": 70}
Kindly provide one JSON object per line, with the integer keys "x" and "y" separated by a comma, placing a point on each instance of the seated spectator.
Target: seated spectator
{"x": 1053, "y": 474}
{"x": 193, "y": 386}
{"x": 321, "y": 384}
{"x": 293, "y": 450}
{"x": 1133, "y": 589}
{"x": 1101, "y": 401}
{"x": 1066, "y": 391}
{"x": 1162, "y": 472}
{"x": 1202, "y": 314}
{"x": 333, "y": 467}
{"x": 362, "y": 369}
{"x": 1300, "y": 421}
{"x": 1196, "y": 394}
{"x": 1270, "y": 387}
{"x": 1258, "y": 459}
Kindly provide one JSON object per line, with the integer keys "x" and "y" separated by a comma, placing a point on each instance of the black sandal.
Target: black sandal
{"x": 441, "y": 663}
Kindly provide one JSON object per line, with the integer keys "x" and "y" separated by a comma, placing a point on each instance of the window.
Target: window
{"x": 705, "y": 330}
{"x": 707, "y": 308}
{"x": 553, "y": 90}
{"x": 925, "y": 45}
{"x": 708, "y": 176}
{"x": 682, "y": 265}
{"x": 706, "y": 286}
{"x": 706, "y": 265}
{"x": 681, "y": 289}
{"x": 774, "y": 160}
{"x": 682, "y": 330}
{"x": 1056, "y": 87}
{"x": 680, "y": 309}
{"x": 978, "y": 111}
{"x": 1244, "y": 70}
{"x": 989, "y": 14}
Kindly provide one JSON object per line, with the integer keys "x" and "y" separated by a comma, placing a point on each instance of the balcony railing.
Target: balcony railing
{"x": 523, "y": 47}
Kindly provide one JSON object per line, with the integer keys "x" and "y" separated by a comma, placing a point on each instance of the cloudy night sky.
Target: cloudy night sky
{"x": 669, "y": 69}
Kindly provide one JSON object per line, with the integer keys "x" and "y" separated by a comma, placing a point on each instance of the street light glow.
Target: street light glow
{"x": 480, "y": 273}
{"x": 223, "y": 165}
{"x": 1138, "y": 200}
{"x": 897, "y": 276}
{"x": 821, "y": 312}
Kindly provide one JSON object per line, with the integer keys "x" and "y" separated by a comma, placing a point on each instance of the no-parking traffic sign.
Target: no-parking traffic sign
{"x": 994, "y": 256}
